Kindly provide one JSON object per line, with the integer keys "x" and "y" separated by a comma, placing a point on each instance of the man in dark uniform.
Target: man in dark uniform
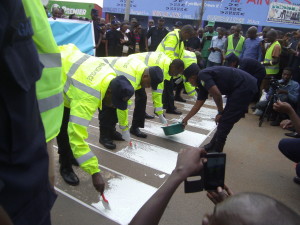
{"x": 251, "y": 66}
{"x": 239, "y": 86}
{"x": 25, "y": 194}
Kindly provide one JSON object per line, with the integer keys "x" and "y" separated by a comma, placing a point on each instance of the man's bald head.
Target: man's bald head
{"x": 253, "y": 209}
{"x": 271, "y": 35}
{"x": 252, "y": 32}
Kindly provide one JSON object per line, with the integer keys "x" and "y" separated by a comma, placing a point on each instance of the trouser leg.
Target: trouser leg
{"x": 168, "y": 95}
{"x": 138, "y": 119}
{"x": 179, "y": 88}
{"x": 51, "y": 171}
{"x": 64, "y": 148}
{"x": 107, "y": 122}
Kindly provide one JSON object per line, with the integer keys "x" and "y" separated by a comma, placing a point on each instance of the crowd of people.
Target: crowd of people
{"x": 54, "y": 91}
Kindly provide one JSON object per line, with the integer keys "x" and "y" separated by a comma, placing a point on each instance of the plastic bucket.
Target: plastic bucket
{"x": 175, "y": 128}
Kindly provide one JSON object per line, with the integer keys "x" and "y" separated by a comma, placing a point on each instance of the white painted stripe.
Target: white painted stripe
{"x": 82, "y": 203}
{"x": 187, "y": 137}
{"x": 125, "y": 196}
{"x": 156, "y": 157}
{"x": 198, "y": 121}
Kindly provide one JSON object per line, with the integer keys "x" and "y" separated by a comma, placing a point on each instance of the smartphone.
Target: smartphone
{"x": 214, "y": 171}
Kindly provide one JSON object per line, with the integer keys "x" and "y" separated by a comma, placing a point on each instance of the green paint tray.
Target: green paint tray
{"x": 175, "y": 128}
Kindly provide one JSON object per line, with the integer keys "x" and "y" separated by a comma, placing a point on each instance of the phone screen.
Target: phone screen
{"x": 214, "y": 171}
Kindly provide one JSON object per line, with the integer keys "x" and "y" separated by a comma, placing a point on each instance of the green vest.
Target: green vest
{"x": 238, "y": 48}
{"x": 272, "y": 69}
{"x": 163, "y": 61}
{"x": 49, "y": 87}
{"x": 188, "y": 58}
{"x": 207, "y": 43}
{"x": 171, "y": 45}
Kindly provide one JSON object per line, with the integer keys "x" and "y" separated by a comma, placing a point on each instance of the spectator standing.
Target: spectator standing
{"x": 295, "y": 62}
{"x": 157, "y": 34}
{"x": 263, "y": 42}
{"x": 193, "y": 44}
{"x": 126, "y": 44}
{"x": 216, "y": 49}
{"x": 206, "y": 42}
{"x": 235, "y": 42}
{"x": 150, "y": 25}
{"x": 252, "y": 48}
{"x": 271, "y": 59}
{"x": 113, "y": 40}
{"x": 139, "y": 40}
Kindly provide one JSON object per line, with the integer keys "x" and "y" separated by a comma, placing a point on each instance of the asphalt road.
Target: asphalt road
{"x": 133, "y": 174}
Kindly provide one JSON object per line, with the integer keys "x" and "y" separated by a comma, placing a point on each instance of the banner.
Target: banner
{"x": 284, "y": 13}
{"x": 80, "y": 33}
{"x": 252, "y": 12}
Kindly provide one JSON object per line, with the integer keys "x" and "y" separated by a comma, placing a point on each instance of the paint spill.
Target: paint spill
{"x": 155, "y": 157}
{"x": 160, "y": 175}
{"x": 187, "y": 137}
{"x": 126, "y": 196}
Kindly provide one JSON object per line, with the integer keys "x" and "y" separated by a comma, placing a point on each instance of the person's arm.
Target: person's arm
{"x": 243, "y": 51}
{"x": 226, "y": 45}
{"x": 260, "y": 57}
{"x": 99, "y": 40}
{"x": 293, "y": 94}
{"x": 189, "y": 161}
{"x": 157, "y": 99}
{"x": 197, "y": 106}
{"x": 217, "y": 96}
{"x": 284, "y": 107}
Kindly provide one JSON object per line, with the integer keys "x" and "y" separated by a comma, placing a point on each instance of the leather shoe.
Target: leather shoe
{"x": 69, "y": 176}
{"x": 293, "y": 134}
{"x": 107, "y": 143}
{"x": 137, "y": 132}
{"x": 179, "y": 99}
{"x": 175, "y": 111}
{"x": 147, "y": 116}
{"x": 117, "y": 136}
{"x": 296, "y": 180}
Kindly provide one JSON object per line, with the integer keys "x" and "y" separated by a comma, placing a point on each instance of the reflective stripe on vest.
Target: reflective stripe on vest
{"x": 76, "y": 65}
{"x": 79, "y": 120}
{"x": 51, "y": 102}
{"x": 158, "y": 109}
{"x": 238, "y": 48}
{"x": 118, "y": 72}
{"x": 85, "y": 157}
{"x": 147, "y": 58}
{"x": 81, "y": 87}
{"x": 122, "y": 127}
{"x": 50, "y": 60}
{"x": 163, "y": 41}
{"x": 160, "y": 91}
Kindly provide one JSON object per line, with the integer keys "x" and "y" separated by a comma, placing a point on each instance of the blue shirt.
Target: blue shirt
{"x": 292, "y": 88}
{"x": 252, "y": 49}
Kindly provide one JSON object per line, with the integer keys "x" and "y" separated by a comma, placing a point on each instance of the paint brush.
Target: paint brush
{"x": 104, "y": 199}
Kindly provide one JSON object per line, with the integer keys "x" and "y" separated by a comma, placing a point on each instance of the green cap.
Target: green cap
{"x": 211, "y": 23}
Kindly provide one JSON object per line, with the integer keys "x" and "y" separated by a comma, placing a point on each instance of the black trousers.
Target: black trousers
{"x": 168, "y": 95}
{"x": 138, "y": 119}
{"x": 236, "y": 106}
{"x": 64, "y": 147}
{"x": 107, "y": 121}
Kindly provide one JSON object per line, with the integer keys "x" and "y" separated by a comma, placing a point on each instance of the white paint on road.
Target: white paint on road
{"x": 187, "y": 137}
{"x": 158, "y": 158}
{"x": 125, "y": 196}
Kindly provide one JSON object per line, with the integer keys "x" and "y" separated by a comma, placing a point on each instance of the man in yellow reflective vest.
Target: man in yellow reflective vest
{"x": 170, "y": 69}
{"x": 140, "y": 76}
{"x": 271, "y": 61}
{"x": 89, "y": 84}
{"x": 235, "y": 42}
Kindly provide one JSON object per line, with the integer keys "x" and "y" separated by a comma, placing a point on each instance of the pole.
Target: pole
{"x": 201, "y": 12}
{"x": 127, "y": 10}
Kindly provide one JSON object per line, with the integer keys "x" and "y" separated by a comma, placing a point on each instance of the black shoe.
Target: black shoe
{"x": 107, "y": 143}
{"x": 69, "y": 176}
{"x": 117, "y": 136}
{"x": 137, "y": 132}
{"x": 296, "y": 180}
{"x": 147, "y": 116}
{"x": 179, "y": 99}
{"x": 175, "y": 111}
{"x": 293, "y": 134}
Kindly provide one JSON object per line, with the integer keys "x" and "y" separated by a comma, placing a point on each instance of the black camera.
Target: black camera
{"x": 211, "y": 177}
{"x": 275, "y": 84}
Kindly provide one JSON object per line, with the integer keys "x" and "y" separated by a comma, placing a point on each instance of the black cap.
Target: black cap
{"x": 178, "y": 24}
{"x": 231, "y": 58}
{"x": 122, "y": 91}
{"x": 156, "y": 75}
{"x": 192, "y": 70}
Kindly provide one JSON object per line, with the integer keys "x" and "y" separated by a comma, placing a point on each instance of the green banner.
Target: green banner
{"x": 79, "y": 9}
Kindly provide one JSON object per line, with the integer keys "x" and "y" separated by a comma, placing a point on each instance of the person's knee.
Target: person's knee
{"x": 283, "y": 145}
